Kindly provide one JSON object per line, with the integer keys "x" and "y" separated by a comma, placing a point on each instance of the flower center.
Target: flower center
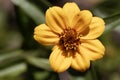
{"x": 69, "y": 39}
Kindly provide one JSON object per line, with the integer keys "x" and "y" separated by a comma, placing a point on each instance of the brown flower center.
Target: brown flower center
{"x": 69, "y": 39}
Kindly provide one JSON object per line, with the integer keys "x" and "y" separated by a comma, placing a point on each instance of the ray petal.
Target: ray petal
{"x": 44, "y": 35}
{"x": 80, "y": 62}
{"x": 59, "y": 61}
{"x": 71, "y": 10}
{"x": 82, "y": 20}
{"x": 55, "y": 19}
{"x": 92, "y": 49}
{"x": 96, "y": 28}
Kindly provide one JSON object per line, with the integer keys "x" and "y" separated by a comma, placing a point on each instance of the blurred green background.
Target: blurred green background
{"x": 22, "y": 58}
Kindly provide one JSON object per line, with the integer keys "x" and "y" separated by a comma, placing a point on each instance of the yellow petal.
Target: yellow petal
{"x": 96, "y": 28}
{"x": 45, "y": 36}
{"x": 59, "y": 60}
{"x": 82, "y": 20}
{"x": 55, "y": 19}
{"x": 71, "y": 9}
{"x": 80, "y": 62}
{"x": 92, "y": 49}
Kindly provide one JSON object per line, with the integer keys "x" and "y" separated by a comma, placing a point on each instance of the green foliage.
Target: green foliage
{"x": 39, "y": 62}
{"x": 21, "y": 58}
{"x": 31, "y": 10}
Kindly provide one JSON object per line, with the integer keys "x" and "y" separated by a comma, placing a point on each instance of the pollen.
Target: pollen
{"x": 69, "y": 39}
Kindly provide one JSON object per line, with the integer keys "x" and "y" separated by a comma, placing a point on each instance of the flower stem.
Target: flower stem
{"x": 64, "y": 76}
{"x": 93, "y": 72}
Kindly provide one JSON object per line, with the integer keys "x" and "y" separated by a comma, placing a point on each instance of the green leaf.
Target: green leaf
{"x": 13, "y": 71}
{"x": 10, "y": 57}
{"x": 105, "y": 9}
{"x": 42, "y": 75}
{"x": 3, "y": 31}
{"x": 45, "y": 2}
{"x": 112, "y": 21}
{"x": 115, "y": 76}
{"x": 39, "y": 62}
{"x": 31, "y": 10}
{"x": 117, "y": 28}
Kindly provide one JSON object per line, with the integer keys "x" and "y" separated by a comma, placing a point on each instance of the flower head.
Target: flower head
{"x": 73, "y": 33}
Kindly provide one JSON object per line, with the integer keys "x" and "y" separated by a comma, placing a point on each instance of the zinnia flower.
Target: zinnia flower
{"x": 73, "y": 33}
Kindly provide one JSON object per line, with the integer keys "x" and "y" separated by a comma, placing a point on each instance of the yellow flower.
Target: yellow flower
{"x": 73, "y": 34}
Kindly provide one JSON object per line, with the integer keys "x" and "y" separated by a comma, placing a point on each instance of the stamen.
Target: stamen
{"x": 69, "y": 39}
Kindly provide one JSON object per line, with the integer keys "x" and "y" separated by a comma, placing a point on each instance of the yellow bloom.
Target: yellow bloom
{"x": 74, "y": 33}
